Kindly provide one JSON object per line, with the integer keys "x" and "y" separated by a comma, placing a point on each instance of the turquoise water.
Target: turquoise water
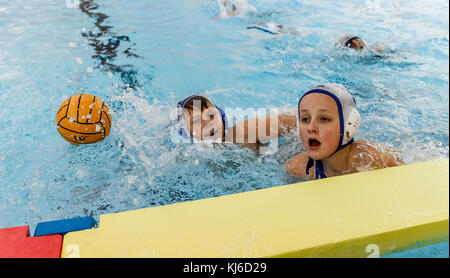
{"x": 439, "y": 250}
{"x": 141, "y": 57}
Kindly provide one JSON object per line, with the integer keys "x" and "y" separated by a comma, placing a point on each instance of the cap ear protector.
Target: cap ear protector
{"x": 178, "y": 129}
{"x": 351, "y": 124}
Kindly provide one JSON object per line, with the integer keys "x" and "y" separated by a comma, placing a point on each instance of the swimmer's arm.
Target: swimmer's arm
{"x": 297, "y": 166}
{"x": 377, "y": 48}
{"x": 372, "y": 156}
{"x": 390, "y": 159}
{"x": 286, "y": 123}
{"x": 258, "y": 130}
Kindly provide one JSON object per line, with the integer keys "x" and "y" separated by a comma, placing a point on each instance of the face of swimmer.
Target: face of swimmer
{"x": 319, "y": 125}
{"x": 204, "y": 120}
{"x": 357, "y": 44}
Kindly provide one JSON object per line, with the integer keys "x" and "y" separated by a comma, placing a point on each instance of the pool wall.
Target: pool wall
{"x": 368, "y": 214}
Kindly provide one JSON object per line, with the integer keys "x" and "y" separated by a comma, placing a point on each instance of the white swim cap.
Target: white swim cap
{"x": 349, "y": 117}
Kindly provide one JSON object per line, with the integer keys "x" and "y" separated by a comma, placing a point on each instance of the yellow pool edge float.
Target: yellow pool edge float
{"x": 358, "y": 215}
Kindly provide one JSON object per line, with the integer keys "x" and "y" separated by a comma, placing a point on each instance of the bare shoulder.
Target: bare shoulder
{"x": 297, "y": 166}
{"x": 367, "y": 155}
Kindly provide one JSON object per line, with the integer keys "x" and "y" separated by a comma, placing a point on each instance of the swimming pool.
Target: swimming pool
{"x": 141, "y": 58}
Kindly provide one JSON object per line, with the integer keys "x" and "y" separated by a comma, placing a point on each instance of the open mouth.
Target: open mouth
{"x": 313, "y": 143}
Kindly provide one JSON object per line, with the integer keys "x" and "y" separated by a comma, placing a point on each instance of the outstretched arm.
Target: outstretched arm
{"x": 258, "y": 130}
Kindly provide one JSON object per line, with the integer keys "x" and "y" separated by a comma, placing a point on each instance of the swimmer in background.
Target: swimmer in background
{"x": 328, "y": 121}
{"x": 274, "y": 28}
{"x": 201, "y": 120}
{"x": 230, "y": 8}
{"x": 355, "y": 42}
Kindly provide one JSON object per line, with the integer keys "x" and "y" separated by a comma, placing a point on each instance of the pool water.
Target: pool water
{"x": 438, "y": 250}
{"x": 142, "y": 57}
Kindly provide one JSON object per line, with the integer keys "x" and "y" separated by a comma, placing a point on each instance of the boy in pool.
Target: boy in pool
{"x": 328, "y": 121}
{"x": 204, "y": 121}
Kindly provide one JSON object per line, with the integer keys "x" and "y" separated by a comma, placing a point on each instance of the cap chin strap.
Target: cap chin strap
{"x": 320, "y": 170}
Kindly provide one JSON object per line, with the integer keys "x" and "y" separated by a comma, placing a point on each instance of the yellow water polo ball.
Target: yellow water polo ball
{"x": 83, "y": 119}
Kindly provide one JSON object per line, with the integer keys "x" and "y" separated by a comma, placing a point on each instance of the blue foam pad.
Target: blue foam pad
{"x": 64, "y": 226}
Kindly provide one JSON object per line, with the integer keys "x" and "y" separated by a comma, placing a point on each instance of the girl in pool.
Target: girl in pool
{"x": 328, "y": 121}
{"x": 198, "y": 119}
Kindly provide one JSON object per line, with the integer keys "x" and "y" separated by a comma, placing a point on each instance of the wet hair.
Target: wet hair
{"x": 190, "y": 104}
{"x": 352, "y": 43}
{"x": 348, "y": 41}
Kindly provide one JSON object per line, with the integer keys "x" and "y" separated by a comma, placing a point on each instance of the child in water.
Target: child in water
{"x": 355, "y": 42}
{"x": 328, "y": 121}
{"x": 201, "y": 120}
